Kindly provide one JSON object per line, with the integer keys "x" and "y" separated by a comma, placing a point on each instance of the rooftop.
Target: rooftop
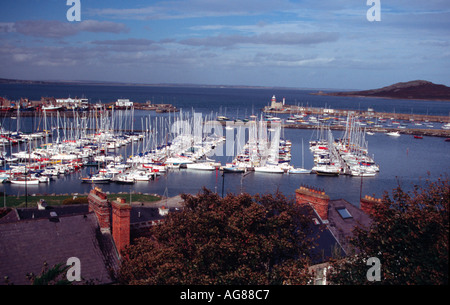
{"x": 327, "y": 246}
{"x": 343, "y": 217}
{"x": 26, "y": 245}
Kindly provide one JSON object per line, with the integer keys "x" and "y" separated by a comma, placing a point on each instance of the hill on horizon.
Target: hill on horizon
{"x": 417, "y": 89}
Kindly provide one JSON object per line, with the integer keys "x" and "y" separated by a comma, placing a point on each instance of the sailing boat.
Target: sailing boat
{"x": 25, "y": 178}
{"x": 301, "y": 170}
{"x": 22, "y": 180}
{"x": 271, "y": 165}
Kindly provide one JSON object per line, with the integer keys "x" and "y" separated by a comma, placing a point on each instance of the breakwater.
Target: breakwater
{"x": 288, "y": 110}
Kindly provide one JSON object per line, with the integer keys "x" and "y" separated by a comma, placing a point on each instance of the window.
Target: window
{"x": 344, "y": 213}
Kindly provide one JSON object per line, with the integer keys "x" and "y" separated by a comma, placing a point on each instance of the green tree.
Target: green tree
{"x": 55, "y": 275}
{"x": 409, "y": 235}
{"x": 239, "y": 239}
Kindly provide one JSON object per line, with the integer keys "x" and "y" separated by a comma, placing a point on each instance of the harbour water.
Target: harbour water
{"x": 403, "y": 160}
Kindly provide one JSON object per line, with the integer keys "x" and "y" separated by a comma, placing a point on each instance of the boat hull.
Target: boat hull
{"x": 95, "y": 180}
{"x": 299, "y": 171}
{"x": 270, "y": 170}
{"x": 25, "y": 181}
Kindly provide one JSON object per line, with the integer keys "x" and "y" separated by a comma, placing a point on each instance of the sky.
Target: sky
{"x": 327, "y": 44}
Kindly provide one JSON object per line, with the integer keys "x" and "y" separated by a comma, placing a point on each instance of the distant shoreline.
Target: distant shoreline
{"x": 101, "y": 83}
{"x": 419, "y": 87}
{"x": 342, "y": 94}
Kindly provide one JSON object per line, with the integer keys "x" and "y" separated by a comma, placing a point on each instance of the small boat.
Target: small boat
{"x": 206, "y": 166}
{"x": 299, "y": 171}
{"x": 363, "y": 173}
{"x": 234, "y": 169}
{"x": 51, "y": 108}
{"x": 41, "y": 179}
{"x": 274, "y": 169}
{"x": 141, "y": 175}
{"x": 326, "y": 170}
{"x": 418, "y": 137}
{"x": 393, "y": 134}
{"x": 124, "y": 179}
{"x": 25, "y": 181}
{"x": 96, "y": 179}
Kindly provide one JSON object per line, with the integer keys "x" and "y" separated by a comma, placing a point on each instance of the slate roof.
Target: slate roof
{"x": 29, "y": 237}
{"x": 327, "y": 246}
{"x": 342, "y": 228}
{"x": 137, "y": 213}
{"x": 63, "y": 210}
{"x": 25, "y": 245}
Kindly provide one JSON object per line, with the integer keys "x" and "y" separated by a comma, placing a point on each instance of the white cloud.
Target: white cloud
{"x": 180, "y": 9}
{"x": 58, "y": 29}
{"x": 263, "y": 39}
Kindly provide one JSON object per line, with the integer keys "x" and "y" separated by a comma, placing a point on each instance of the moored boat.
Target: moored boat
{"x": 327, "y": 170}
{"x": 393, "y": 134}
{"x": 208, "y": 166}
{"x": 21, "y": 180}
{"x": 124, "y": 179}
{"x": 274, "y": 169}
{"x": 299, "y": 171}
{"x": 96, "y": 179}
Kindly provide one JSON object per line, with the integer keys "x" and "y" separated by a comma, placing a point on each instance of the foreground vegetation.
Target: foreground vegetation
{"x": 264, "y": 240}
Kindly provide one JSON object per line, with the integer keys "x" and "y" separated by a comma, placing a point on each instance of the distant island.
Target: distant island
{"x": 414, "y": 90}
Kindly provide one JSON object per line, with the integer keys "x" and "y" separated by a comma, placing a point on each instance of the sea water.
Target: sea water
{"x": 404, "y": 161}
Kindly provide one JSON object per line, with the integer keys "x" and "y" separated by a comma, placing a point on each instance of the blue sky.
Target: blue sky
{"x": 301, "y": 44}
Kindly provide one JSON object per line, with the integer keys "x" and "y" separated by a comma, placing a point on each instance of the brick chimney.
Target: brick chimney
{"x": 367, "y": 203}
{"x": 99, "y": 204}
{"x": 121, "y": 223}
{"x": 314, "y": 197}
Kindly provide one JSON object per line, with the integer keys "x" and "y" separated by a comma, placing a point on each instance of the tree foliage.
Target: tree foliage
{"x": 409, "y": 234}
{"x": 239, "y": 239}
{"x": 55, "y": 275}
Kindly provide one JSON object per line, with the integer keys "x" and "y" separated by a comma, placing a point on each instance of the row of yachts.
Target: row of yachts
{"x": 347, "y": 155}
{"x": 49, "y": 161}
{"x": 98, "y": 151}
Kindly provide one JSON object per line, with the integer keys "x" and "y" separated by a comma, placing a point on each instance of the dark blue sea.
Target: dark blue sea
{"x": 403, "y": 160}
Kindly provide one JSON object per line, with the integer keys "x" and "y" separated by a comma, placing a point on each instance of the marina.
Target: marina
{"x": 136, "y": 150}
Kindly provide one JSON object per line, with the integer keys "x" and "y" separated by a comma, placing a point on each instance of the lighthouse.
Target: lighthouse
{"x": 274, "y": 104}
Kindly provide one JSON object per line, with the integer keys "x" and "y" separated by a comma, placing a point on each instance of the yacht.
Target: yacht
{"x": 208, "y": 166}
{"x": 269, "y": 168}
{"x": 393, "y": 134}
{"x": 97, "y": 178}
{"x": 21, "y": 180}
{"x": 327, "y": 170}
{"x": 299, "y": 171}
